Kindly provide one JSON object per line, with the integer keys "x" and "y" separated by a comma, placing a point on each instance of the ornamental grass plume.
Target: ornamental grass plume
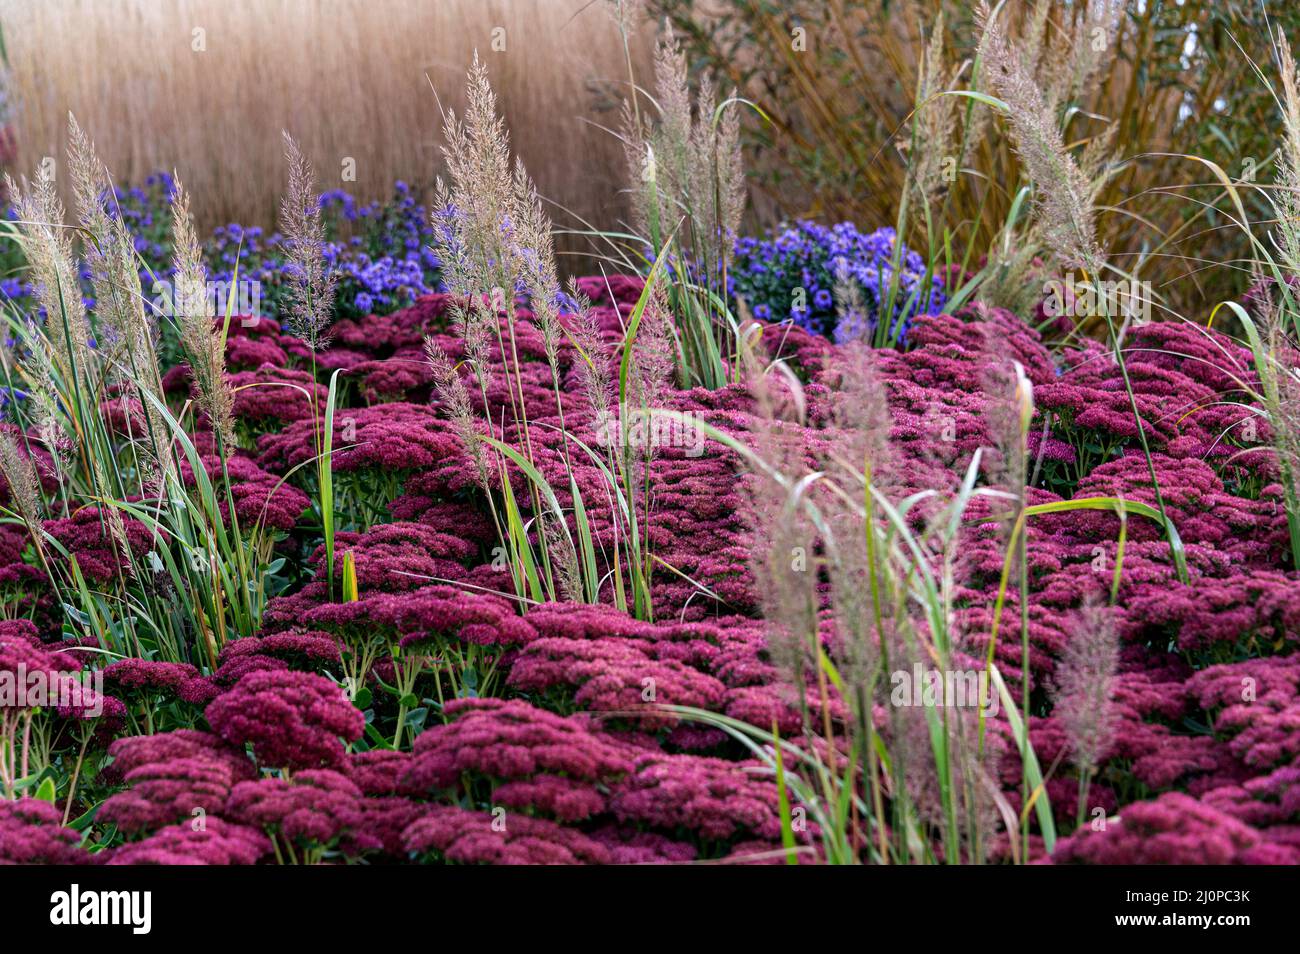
{"x": 125, "y": 333}
{"x": 1282, "y": 404}
{"x": 47, "y": 245}
{"x": 860, "y": 460}
{"x": 626, "y": 14}
{"x": 23, "y": 485}
{"x": 455, "y": 398}
{"x": 1087, "y": 49}
{"x": 650, "y": 375}
{"x": 203, "y": 344}
{"x": 1084, "y": 692}
{"x": 595, "y": 357}
{"x": 809, "y": 529}
{"x": 1063, "y": 209}
{"x": 933, "y": 126}
{"x": 495, "y": 244}
{"x": 687, "y": 165}
{"x": 1272, "y": 298}
{"x": 56, "y": 366}
{"x": 1008, "y": 411}
{"x": 687, "y": 186}
{"x": 471, "y": 215}
{"x": 494, "y": 241}
{"x": 311, "y": 280}
{"x": 961, "y": 805}
{"x": 479, "y": 228}
{"x": 783, "y": 554}
{"x": 1061, "y": 195}
{"x": 114, "y": 280}
{"x": 1287, "y": 195}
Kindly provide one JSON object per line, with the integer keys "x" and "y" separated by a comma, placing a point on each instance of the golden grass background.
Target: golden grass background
{"x": 346, "y": 77}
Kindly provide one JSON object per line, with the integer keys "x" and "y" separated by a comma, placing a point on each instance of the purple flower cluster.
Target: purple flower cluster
{"x": 792, "y": 275}
{"x": 381, "y": 251}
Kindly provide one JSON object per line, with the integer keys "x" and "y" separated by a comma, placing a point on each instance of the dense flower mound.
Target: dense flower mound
{"x": 405, "y": 705}
{"x": 615, "y": 676}
{"x": 304, "y": 650}
{"x": 148, "y": 677}
{"x": 32, "y": 833}
{"x": 403, "y": 437}
{"x": 380, "y": 772}
{"x": 164, "y": 792}
{"x": 89, "y": 535}
{"x": 547, "y": 762}
{"x": 1255, "y": 706}
{"x": 714, "y": 798}
{"x": 39, "y": 677}
{"x": 210, "y": 841}
{"x": 424, "y": 615}
{"x": 464, "y": 837}
{"x": 1261, "y": 610}
{"x": 262, "y": 500}
{"x": 165, "y": 748}
{"x": 292, "y": 719}
{"x": 407, "y": 555}
{"x": 317, "y": 806}
{"x": 271, "y": 396}
{"x": 1174, "y": 830}
{"x": 21, "y": 650}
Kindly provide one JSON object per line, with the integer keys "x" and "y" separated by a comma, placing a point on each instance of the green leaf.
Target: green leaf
{"x": 326, "y": 478}
{"x": 1042, "y": 804}
{"x": 783, "y": 801}
{"x": 83, "y": 821}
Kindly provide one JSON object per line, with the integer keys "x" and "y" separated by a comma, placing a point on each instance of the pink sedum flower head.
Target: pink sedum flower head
{"x": 294, "y": 720}
{"x": 32, "y": 833}
{"x": 205, "y": 841}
